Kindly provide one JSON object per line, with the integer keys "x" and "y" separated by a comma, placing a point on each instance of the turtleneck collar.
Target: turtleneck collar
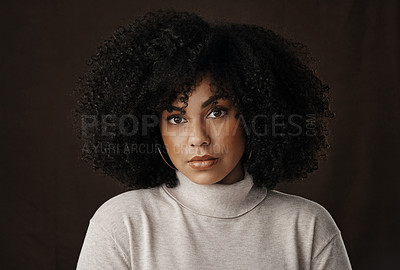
{"x": 217, "y": 200}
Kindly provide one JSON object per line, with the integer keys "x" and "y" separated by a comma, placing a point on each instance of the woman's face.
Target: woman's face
{"x": 204, "y": 131}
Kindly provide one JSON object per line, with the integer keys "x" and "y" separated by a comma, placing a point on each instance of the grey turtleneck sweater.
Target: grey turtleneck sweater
{"x": 217, "y": 226}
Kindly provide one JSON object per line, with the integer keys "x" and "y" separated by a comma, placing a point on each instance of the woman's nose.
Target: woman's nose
{"x": 199, "y": 135}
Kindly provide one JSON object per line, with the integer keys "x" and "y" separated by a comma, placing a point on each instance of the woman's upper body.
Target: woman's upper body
{"x": 235, "y": 110}
{"x": 193, "y": 226}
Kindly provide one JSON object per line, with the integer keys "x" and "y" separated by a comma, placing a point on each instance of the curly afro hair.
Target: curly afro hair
{"x": 144, "y": 66}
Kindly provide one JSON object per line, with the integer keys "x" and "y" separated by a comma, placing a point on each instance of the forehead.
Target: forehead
{"x": 200, "y": 97}
{"x": 199, "y": 100}
{"x": 197, "y": 96}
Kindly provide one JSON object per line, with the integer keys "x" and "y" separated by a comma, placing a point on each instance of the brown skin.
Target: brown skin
{"x": 205, "y": 131}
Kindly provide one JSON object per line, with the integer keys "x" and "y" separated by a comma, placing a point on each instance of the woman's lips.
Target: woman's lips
{"x": 203, "y": 164}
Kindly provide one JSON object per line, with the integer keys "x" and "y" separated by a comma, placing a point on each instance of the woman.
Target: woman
{"x": 202, "y": 121}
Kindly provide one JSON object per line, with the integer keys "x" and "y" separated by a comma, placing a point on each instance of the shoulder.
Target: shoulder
{"x": 312, "y": 226}
{"x": 126, "y": 206}
{"x": 302, "y": 212}
{"x": 295, "y": 203}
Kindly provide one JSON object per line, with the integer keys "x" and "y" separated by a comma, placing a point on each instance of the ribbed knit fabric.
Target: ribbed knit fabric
{"x": 217, "y": 200}
{"x": 215, "y": 226}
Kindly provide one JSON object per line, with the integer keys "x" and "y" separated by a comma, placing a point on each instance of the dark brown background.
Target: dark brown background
{"x": 48, "y": 194}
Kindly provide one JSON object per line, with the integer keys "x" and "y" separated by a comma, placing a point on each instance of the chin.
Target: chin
{"x": 206, "y": 178}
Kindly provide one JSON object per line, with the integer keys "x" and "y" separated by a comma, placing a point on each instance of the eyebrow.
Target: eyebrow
{"x": 205, "y": 103}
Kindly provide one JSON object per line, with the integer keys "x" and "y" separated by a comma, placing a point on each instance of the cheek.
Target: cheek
{"x": 174, "y": 145}
{"x": 170, "y": 142}
{"x": 230, "y": 132}
{"x": 168, "y": 134}
{"x": 231, "y": 139}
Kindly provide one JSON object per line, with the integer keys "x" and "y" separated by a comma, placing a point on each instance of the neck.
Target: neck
{"x": 220, "y": 200}
{"x": 234, "y": 176}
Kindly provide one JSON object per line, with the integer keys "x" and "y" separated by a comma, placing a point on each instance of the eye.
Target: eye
{"x": 175, "y": 119}
{"x": 217, "y": 113}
